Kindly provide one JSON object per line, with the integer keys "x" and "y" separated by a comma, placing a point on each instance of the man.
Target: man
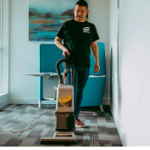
{"x": 78, "y": 36}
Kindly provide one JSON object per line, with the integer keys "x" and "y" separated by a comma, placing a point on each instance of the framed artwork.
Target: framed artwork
{"x": 46, "y": 17}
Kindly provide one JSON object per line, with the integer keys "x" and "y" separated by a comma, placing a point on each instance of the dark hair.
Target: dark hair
{"x": 82, "y": 3}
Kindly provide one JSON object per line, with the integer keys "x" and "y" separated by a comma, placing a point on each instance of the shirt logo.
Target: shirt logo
{"x": 86, "y": 30}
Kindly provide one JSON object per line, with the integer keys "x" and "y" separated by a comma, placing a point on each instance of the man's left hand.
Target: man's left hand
{"x": 96, "y": 68}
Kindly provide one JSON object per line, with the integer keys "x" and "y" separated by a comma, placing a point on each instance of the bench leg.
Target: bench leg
{"x": 40, "y": 102}
{"x": 101, "y": 108}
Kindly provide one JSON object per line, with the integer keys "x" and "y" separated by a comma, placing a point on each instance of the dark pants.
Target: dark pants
{"x": 80, "y": 80}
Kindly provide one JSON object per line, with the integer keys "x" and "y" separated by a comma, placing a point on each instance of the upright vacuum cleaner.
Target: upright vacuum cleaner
{"x": 65, "y": 120}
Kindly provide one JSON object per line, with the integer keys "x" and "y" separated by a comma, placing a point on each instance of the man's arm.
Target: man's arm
{"x": 59, "y": 44}
{"x": 94, "y": 47}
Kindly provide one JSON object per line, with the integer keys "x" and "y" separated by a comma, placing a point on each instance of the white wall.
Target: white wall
{"x": 24, "y": 55}
{"x": 132, "y": 115}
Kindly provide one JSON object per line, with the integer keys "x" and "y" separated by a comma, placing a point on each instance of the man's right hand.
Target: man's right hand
{"x": 61, "y": 46}
{"x": 66, "y": 51}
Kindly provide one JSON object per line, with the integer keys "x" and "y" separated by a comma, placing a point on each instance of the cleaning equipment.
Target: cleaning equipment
{"x": 65, "y": 120}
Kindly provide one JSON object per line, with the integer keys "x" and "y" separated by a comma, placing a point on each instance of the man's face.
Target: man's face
{"x": 80, "y": 13}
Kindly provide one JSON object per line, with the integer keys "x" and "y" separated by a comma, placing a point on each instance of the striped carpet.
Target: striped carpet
{"x": 100, "y": 127}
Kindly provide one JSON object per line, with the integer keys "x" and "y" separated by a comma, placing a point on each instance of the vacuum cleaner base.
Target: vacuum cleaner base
{"x": 60, "y": 137}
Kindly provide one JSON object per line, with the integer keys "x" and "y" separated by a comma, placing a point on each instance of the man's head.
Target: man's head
{"x": 80, "y": 10}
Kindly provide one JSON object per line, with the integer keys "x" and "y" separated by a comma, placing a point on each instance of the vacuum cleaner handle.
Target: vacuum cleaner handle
{"x": 66, "y": 60}
{"x": 66, "y": 55}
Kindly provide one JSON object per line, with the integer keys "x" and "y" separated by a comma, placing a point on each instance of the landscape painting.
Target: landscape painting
{"x": 46, "y": 17}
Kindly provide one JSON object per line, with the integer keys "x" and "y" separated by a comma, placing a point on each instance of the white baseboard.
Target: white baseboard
{"x": 116, "y": 123}
{"x": 30, "y": 101}
{"x": 4, "y": 100}
{"x": 106, "y": 101}
{"x": 24, "y": 101}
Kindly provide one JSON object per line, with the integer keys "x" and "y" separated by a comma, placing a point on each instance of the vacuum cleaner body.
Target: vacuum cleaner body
{"x": 65, "y": 108}
{"x": 65, "y": 118}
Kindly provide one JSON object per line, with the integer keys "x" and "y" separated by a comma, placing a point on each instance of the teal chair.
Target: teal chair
{"x": 93, "y": 93}
{"x": 94, "y": 89}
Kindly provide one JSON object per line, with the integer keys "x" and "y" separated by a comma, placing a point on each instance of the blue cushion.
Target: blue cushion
{"x": 49, "y": 55}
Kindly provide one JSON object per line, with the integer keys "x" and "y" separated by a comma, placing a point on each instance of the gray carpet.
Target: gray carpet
{"x": 100, "y": 127}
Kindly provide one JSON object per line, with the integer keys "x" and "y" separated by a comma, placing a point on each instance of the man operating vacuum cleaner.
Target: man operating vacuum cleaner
{"x": 79, "y": 35}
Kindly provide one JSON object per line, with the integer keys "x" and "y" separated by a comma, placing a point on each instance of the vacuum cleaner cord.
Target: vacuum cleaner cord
{"x": 30, "y": 127}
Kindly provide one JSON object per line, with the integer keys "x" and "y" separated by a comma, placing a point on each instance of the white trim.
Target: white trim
{"x": 23, "y": 101}
{"x": 1, "y": 25}
{"x": 4, "y": 100}
{"x": 5, "y": 44}
{"x": 4, "y": 76}
{"x": 2, "y": 94}
{"x": 1, "y": 43}
{"x": 30, "y": 101}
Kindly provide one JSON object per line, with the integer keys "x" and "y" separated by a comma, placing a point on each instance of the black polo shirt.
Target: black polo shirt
{"x": 78, "y": 37}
